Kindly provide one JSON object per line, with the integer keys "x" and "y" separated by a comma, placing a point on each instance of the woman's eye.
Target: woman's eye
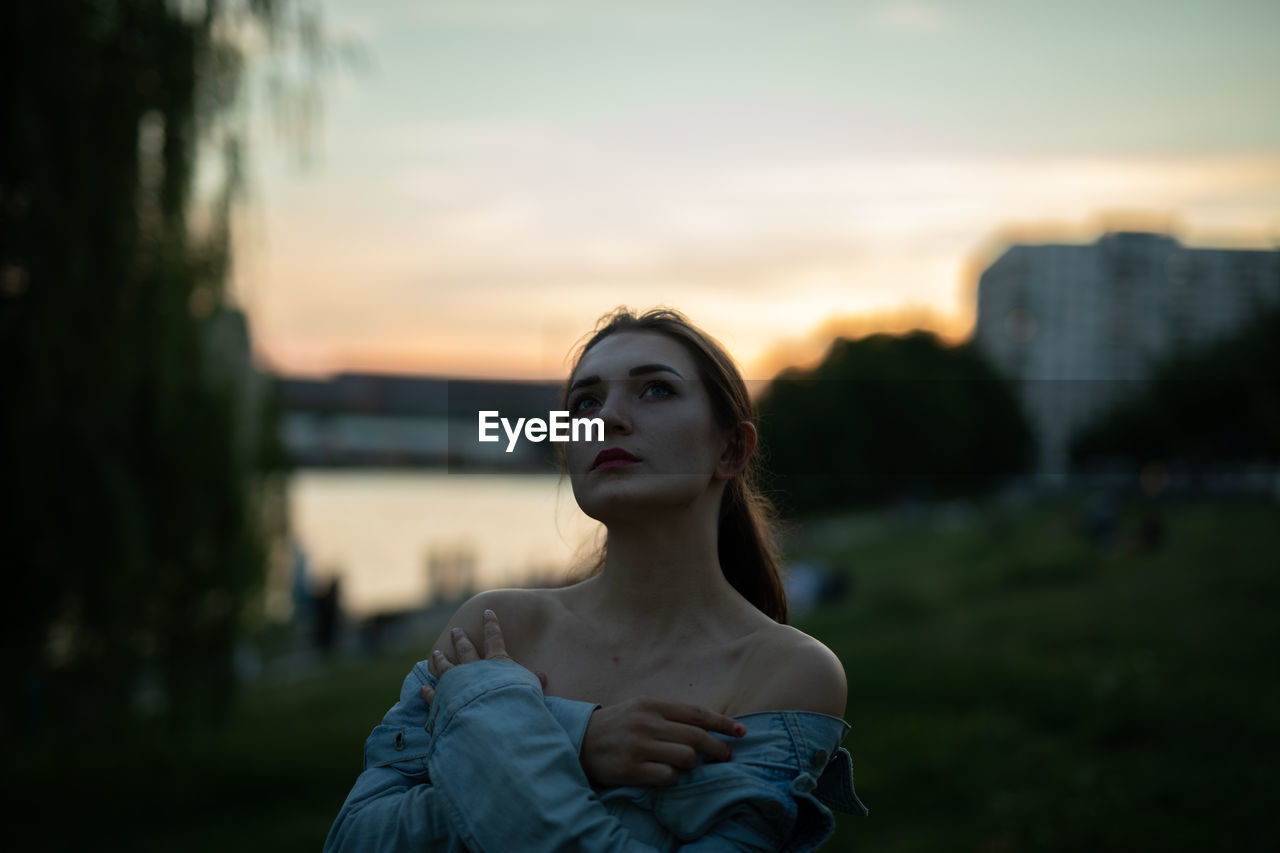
{"x": 658, "y": 389}
{"x": 581, "y": 403}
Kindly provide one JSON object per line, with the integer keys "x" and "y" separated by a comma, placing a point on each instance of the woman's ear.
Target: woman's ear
{"x": 742, "y": 443}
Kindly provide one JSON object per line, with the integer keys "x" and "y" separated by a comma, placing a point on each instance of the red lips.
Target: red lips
{"x": 613, "y": 454}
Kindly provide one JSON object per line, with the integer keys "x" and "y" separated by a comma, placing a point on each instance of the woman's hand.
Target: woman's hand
{"x": 648, "y": 741}
{"x": 495, "y": 648}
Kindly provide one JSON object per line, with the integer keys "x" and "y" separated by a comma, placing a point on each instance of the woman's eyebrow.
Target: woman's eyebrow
{"x": 586, "y": 380}
{"x": 635, "y": 371}
{"x": 652, "y": 368}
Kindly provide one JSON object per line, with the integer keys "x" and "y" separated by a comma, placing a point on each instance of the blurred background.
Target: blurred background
{"x": 1004, "y": 278}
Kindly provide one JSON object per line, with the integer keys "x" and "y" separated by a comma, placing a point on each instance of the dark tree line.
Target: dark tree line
{"x": 137, "y": 453}
{"x": 1214, "y": 405}
{"x": 884, "y": 418}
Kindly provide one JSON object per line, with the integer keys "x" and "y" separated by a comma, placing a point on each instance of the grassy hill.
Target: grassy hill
{"x": 1011, "y": 687}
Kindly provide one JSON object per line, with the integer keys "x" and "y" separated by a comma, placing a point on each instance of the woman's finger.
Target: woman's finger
{"x": 441, "y": 663}
{"x": 657, "y": 773}
{"x": 677, "y": 755}
{"x": 703, "y": 718}
{"x": 462, "y": 645}
{"x": 435, "y": 668}
{"x": 428, "y": 694}
{"x": 692, "y": 736}
{"x": 494, "y": 644}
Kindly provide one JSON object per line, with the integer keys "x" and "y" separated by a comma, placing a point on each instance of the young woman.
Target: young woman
{"x": 661, "y": 704}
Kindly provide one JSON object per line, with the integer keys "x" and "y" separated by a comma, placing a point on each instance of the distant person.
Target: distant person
{"x": 301, "y": 591}
{"x": 1101, "y": 519}
{"x": 328, "y": 612}
{"x": 661, "y": 704}
{"x": 1151, "y": 532}
{"x": 812, "y": 583}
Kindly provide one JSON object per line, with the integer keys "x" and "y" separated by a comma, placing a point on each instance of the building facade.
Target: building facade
{"x": 1079, "y": 328}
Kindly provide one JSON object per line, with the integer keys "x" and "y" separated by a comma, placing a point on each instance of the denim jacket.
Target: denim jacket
{"x": 492, "y": 765}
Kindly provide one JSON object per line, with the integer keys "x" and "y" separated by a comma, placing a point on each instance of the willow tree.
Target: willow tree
{"x": 136, "y": 450}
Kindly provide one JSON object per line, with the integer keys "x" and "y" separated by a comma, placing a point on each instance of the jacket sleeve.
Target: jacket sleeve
{"x": 506, "y": 770}
{"x": 393, "y": 805}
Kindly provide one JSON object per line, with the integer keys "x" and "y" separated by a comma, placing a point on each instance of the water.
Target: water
{"x": 381, "y": 530}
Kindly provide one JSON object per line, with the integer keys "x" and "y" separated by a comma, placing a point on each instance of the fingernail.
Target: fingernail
{"x": 739, "y": 730}
{"x": 437, "y": 654}
{"x": 488, "y": 614}
{"x": 730, "y": 756}
{"x": 456, "y": 632}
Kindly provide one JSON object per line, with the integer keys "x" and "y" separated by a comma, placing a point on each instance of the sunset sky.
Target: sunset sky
{"x": 498, "y": 173}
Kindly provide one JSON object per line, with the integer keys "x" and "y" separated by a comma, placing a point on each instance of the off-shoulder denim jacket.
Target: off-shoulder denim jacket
{"x": 492, "y": 765}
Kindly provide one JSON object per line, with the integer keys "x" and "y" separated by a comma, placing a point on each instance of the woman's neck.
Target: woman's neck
{"x": 662, "y": 578}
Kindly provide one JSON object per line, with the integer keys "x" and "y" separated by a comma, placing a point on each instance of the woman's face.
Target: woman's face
{"x": 661, "y": 445}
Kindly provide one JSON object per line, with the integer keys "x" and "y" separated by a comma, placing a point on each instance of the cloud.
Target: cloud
{"x": 504, "y": 13}
{"x": 524, "y": 14}
{"x": 911, "y": 17}
{"x": 736, "y": 216}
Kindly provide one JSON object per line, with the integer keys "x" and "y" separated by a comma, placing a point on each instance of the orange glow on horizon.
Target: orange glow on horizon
{"x": 807, "y": 352}
{"x": 762, "y": 350}
{"x": 794, "y": 352}
{"x": 407, "y": 361}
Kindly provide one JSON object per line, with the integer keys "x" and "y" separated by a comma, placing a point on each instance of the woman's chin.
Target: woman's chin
{"x": 623, "y": 502}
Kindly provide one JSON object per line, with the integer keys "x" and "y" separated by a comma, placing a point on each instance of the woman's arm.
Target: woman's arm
{"x": 393, "y": 805}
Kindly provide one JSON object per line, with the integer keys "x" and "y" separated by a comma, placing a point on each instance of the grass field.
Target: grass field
{"x": 1011, "y": 687}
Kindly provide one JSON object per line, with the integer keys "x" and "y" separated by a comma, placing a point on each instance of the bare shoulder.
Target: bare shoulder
{"x": 790, "y": 671}
{"x": 521, "y": 612}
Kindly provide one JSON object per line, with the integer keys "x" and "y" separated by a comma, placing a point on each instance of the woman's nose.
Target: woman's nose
{"x": 615, "y": 414}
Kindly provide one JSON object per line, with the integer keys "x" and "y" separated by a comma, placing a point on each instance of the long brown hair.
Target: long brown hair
{"x": 747, "y": 535}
